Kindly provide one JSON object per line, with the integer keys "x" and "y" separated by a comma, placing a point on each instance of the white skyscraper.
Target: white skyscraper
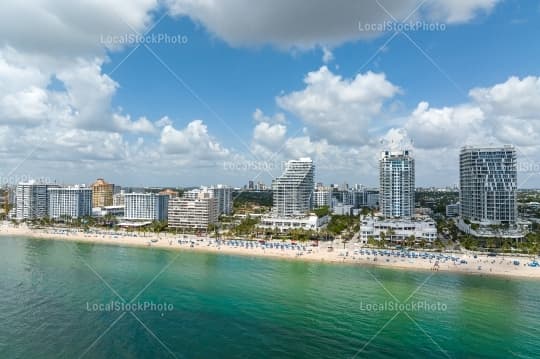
{"x": 32, "y": 200}
{"x": 396, "y": 194}
{"x": 223, "y": 195}
{"x": 72, "y": 202}
{"x": 488, "y": 184}
{"x": 145, "y": 206}
{"x": 293, "y": 190}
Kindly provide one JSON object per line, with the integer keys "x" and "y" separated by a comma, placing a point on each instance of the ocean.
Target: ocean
{"x": 62, "y": 299}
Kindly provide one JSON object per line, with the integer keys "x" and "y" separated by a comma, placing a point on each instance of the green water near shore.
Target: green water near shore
{"x": 54, "y": 298}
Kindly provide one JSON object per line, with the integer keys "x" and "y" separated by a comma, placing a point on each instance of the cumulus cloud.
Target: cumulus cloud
{"x": 70, "y": 28}
{"x": 259, "y": 116}
{"x": 443, "y": 127}
{"x": 269, "y": 135}
{"x": 193, "y": 140}
{"x": 503, "y": 113}
{"x": 339, "y": 109}
{"x": 514, "y": 97}
{"x": 308, "y": 23}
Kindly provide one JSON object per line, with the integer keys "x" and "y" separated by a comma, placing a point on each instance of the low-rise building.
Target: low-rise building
{"x": 116, "y": 211}
{"x": 398, "y": 230}
{"x": 311, "y": 222}
{"x": 452, "y": 210}
{"x": 343, "y": 210}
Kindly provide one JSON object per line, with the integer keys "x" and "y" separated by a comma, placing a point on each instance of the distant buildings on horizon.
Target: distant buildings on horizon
{"x": 488, "y": 196}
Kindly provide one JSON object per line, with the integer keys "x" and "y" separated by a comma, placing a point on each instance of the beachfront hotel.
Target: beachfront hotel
{"x": 293, "y": 199}
{"x": 196, "y": 209}
{"x": 32, "y": 200}
{"x": 293, "y": 190}
{"x": 398, "y": 230}
{"x": 102, "y": 193}
{"x": 396, "y": 202}
{"x": 396, "y": 176}
{"x": 69, "y": 202}
{"x": 488, "y": 184}
{"x": 488, "y": 192}
{"x": 145, "y": 207}
{"x": 222, "y": 194}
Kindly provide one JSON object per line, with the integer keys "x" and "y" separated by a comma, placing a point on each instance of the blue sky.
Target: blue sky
{"x": 184, "y": 114}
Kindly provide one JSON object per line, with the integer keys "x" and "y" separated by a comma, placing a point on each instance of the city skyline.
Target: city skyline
{"x": 269, "y": 179}
{"x": 95, "y": 100}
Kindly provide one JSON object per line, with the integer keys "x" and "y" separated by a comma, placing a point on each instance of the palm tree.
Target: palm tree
{"x": 506, "y": 246}
{"x": 383, "y": 238}
{"x": 371, "y": 241}
{"x": 439, "y": 244}
{"x": 411, "y": 240}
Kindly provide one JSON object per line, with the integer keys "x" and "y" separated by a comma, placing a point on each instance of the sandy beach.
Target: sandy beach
{"x": 353, "y": 253}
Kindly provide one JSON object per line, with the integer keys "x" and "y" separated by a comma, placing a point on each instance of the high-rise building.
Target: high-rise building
{"x": 102, "y": 193}
{"x": 223, "y": 195}
{"x": 293, "y": 190}
{"x": 196, "y": 210}
{"x": 70, "y": 202}
{"x": 488, "y": 184}
{"x": 396, "y": 193}
{"x": 322, "y": 197}
{"x": 145, "y": 206}
{"x": 169, "y": 192}
{"x": 32, "y": 200}
{"x": 118, "y": 198}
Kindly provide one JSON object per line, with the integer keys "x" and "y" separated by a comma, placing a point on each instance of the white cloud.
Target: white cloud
{"x": 259, "y": 116}
{"x": 514, "y": 97}
{"x": 194, "y": 140}
{"x": 338, "y": 109}
{"x": 269, "y": 135}
{"x": 458, "y": 11}
{"x": 64, "y": 28}
{"x": 125, "y": 124}
{"x": 443, "y": 127}
{"x": 308, "y": 23}
{"x": 28, "y": 106}
{"x": 328, "y": 56}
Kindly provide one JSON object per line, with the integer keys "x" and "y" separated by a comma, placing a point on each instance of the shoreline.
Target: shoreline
{"x": 482, "y": 265}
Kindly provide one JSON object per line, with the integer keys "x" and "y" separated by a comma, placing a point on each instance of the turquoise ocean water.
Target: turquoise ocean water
{"x": 57, "y": 301}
